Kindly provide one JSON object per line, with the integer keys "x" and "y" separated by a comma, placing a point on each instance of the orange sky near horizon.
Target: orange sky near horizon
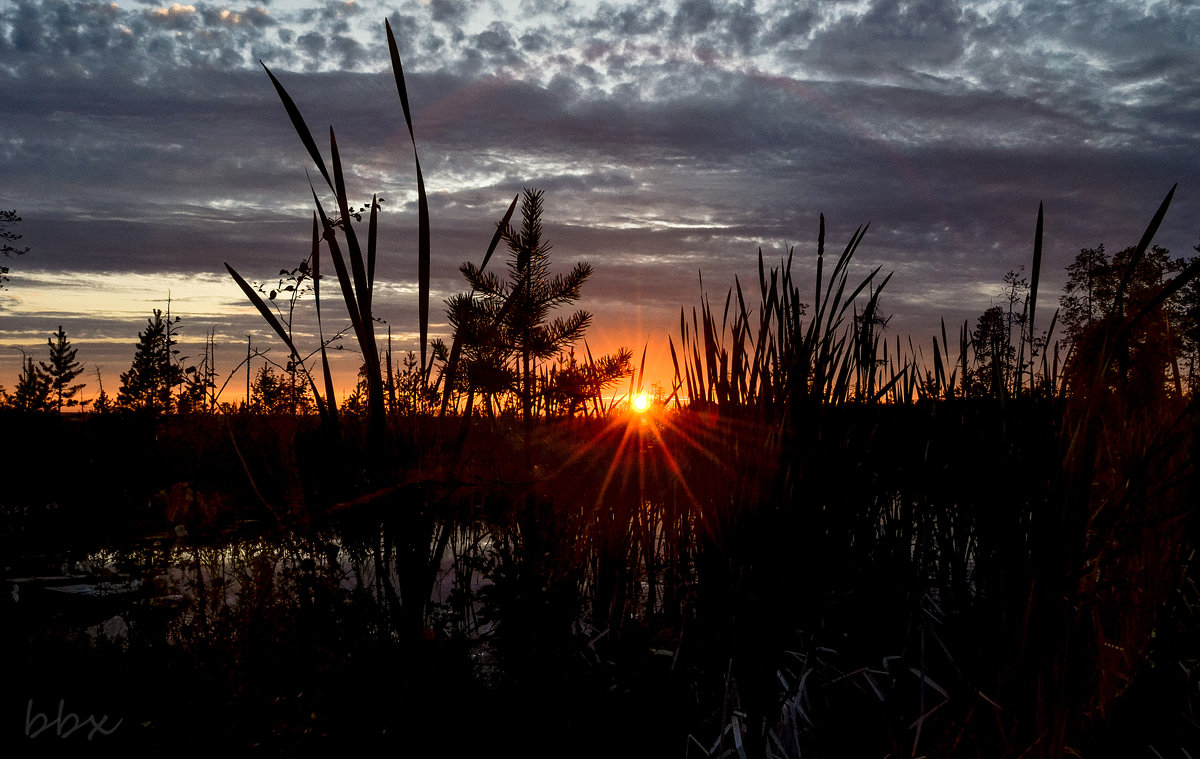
{"x": 145, "y": 147}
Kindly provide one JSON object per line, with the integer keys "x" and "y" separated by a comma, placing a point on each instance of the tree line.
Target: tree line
{"x": 1161, "y": 352}
{"x": 513, "y": 357}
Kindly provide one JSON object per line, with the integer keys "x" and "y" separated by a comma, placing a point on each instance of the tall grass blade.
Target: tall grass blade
{"x": 1169, "y": 289}
{"x": 762, "y": 277}
{"x": 964, "y": 344}
{"x": 358, "y": 269}
{"x": 1050, "y": 372}
{"x": 422, "y": 202}
{"x": 364, "y": 332}
{"x": 674, "y": 358}
{"x": 262, "y": 307}
{"x": 331, "y": 399}
{"x": 820, "y": 265}
{"x": 1142, "y": 246}
{"x": 273, "y": 321}
{"x": 372, "y": 243}
{"x": 1033, "y": 289}
{"x": 642, "y": 368}
{"x": 1035, "y": 274}
{"x": 939, "y": 370}
{"x": 298, "y": 122}
{"x": 343, "y": 274}
{"x": 499, "y": 234}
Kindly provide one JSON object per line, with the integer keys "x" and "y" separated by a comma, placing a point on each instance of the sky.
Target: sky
{"x": 144, "y": 147}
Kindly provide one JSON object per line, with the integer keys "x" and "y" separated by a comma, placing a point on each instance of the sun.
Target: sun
{"x": 641, "y": 402}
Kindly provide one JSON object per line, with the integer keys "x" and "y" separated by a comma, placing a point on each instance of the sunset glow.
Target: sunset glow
{"x": 637, "y": 375}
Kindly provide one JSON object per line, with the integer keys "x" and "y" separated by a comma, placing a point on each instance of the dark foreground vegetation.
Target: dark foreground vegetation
{"x": 806, "y": 549}
{"x": 952, "y": 578}
{"x": 814, "y": 544}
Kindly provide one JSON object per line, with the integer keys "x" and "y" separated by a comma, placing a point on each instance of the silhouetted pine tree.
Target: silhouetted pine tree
{"x": 62, "y": 369}
{"x": 32, "y": 391}
{"x": 504, "y": 325}
{"x": 994, "y": 355}
{"x": 147, "y": 385}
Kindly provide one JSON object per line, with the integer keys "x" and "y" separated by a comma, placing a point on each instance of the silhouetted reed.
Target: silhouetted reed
{"x": 982, "y": 576}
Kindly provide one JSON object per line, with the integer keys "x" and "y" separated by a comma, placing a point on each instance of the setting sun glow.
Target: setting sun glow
{"x": 641, "y": 402}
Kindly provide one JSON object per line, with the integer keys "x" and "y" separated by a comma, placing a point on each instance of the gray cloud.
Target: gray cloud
{"x": 451, "y": 12}
{"x": 791, "y": 26}
{"x": 891, "y": 39}
{"x": 630, "y": 21}
{"x": 694, "y": 17}
{"x": 496, "y": 41}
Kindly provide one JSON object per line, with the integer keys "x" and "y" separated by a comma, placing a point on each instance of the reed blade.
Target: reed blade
{"x": 262, "y": 307}
{"x": 298, "y": 123}
{"x": 271, "y": 319}
{"x": 361, "y": 291}
{"x": 938, "y": 369}
{"x": 1032, "y": 303}
{"x": 1035, "y": 274}
{"x": 1049, "y": 371}
{"x": 963, "y": 348}
{"x": 499, "y": 233}
{"x": 372, "y": 242}
{"x": 674, "y": 357}
{"x": 343, "y": 274}
{"x": 329, "y": 409}
{"x": 820, "y": 263}
{"x": 1170, "y": 288}
{"x": 1142, "y": 246}
{"x": 422, "y": 202}
{"x": 762, "y": 276}
{"x": 642, "y": 367}
{"x": 725, "y": 313}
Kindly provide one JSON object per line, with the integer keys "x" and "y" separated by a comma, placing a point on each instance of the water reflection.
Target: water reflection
{"x": 203, "y": 580}
{"x": 265, "y": 633}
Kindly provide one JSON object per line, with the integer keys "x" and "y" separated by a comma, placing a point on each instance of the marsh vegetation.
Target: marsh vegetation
{"x": 816, "y": 542}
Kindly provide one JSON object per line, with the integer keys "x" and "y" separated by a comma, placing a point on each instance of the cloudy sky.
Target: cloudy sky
{"x": 144, "y": 146}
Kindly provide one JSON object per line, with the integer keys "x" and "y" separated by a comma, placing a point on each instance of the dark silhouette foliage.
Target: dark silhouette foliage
{"x": 32, "y": 392}
{"x": 994, "y": 354}
{"x": 504, "y": 325}
{"x": 61, "y": 372}
{"x": 8, "y": 238}
{"x": 148, "y": 383}
{"x": 1103, "y": 292}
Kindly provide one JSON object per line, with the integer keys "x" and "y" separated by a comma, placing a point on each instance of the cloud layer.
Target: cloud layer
{"x": 672, "y": 138}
